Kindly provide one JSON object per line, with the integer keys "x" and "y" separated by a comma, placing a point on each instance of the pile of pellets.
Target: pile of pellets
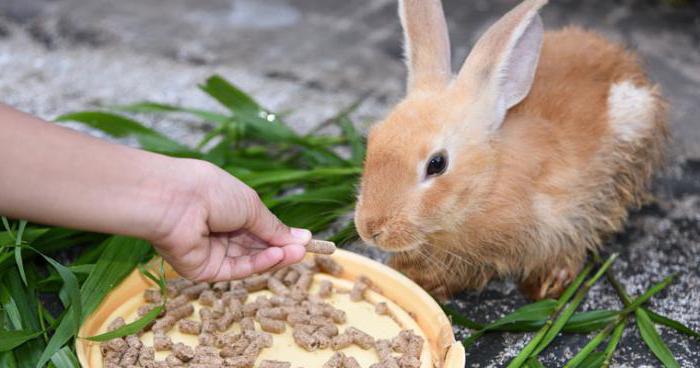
{"x": 313, "y": 323}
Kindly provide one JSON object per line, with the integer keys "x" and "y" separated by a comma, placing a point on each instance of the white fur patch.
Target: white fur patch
{"x": 631, "y": 110}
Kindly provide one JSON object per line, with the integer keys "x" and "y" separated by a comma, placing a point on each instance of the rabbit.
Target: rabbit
{"x": 515, "y": 167}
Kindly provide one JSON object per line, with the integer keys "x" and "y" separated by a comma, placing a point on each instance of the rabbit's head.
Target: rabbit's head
{"x": 432, "y": 160}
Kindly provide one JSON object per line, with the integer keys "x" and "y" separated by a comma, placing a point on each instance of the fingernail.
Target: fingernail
{"x": 300, "y": 234}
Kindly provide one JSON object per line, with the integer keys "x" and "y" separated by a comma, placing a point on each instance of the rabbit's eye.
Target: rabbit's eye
{"x": 436, "y": 165}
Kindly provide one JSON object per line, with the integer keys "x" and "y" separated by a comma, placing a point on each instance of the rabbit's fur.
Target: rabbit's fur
{"x": 550, "y": 138}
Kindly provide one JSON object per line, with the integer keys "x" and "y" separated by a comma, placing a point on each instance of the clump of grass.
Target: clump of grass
{"x": 306, "y": 180}
{"x": 548, "y": 318}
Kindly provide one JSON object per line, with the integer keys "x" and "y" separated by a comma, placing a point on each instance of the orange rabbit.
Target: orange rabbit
{"x": 516, "y": 166}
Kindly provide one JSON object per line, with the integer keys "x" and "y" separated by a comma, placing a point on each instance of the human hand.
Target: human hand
{"x": 216, "y": 228}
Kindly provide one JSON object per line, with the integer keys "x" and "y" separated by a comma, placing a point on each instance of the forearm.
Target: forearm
{"x": 53, "y": 175}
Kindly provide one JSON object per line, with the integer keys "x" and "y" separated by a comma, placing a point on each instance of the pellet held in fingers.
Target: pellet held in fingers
{"x": 320, "y": 247}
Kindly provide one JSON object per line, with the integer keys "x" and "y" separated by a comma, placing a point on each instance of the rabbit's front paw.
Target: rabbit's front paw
{"x": 548, "y": 284}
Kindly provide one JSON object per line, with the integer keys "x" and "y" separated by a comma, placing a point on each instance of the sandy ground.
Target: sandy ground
{"x": 311, "y": 58}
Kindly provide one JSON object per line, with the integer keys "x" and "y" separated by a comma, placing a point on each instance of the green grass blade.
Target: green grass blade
{"x": 119, "y": 127}
{"x": 593, "y": 360}
{"x": 460, "y": 319}
{"x": 120, "y": 257}
{"x": 7, "y": 360}
{"x": 230, "y": 96}
{"x": 584, "y": 322}
{"x": 533, "y": 362}
{"x": 65, "y": 358}
{"x": 469, "y": 341}
{"x": 583, "y": 354}
{"x": 9, "y": 307}
{"x": 659, "y": 319}
{"x": 130, "y": 328}
{"x": 612, "y": 344}
{"x": 11, "y": 339}
{"x": 7, "y": 226}
{"x": 70, "y": 283}
{"x": 649, "y": 293}
{"x": 651, "y": 337}
{"x": 154, "y": 107}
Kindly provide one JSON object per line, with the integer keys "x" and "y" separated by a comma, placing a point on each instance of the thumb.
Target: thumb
{"x": 266, "y": 226}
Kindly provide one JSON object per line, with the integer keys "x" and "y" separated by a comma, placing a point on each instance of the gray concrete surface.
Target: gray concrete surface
{"x": 312, "y": 58}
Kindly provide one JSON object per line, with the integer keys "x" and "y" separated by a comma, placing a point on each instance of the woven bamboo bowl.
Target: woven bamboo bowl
{"x": 445, "y": 352}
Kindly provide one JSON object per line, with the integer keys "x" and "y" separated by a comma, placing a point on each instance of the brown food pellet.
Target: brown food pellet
{"x": 327, "y": 265}
{"x": 220, "y": 286}
{"x": 207, "y": 297}
{"x": 115, "y": 324}
{"x": 113, "y": 357}
{"x": 133, "y": 341}
{"x": 180, "y": 283}
{"x": 291, "y": 277}
{"x": 409, "y": 362}
{"x": 218, "y": 307}
{"x": 239, "y": 362}
{"x": 176, "y": 302}
{"x": 358, "y": 289}
{"x": 146, "y": 355}
{"x": 360, "y": 338}
{"x": 322, "y": 341}
{"x": 325, "y": 289}
{"x": 189, "y": 326}
{"x": 183, "y": 352}
{"x": 117, "y": 344}
{"x": 225, "y": 321}
{"x": 250, "y": 309}
{"x": 338, "y": 316}
{"x": 131, "y": 355}
{"x": 273, "y": 313}
{"x": 160, "y": 364}
{"x": 276, "y": 286}
{"x": 239, "y": 293}
{"x": 271, "y": 325}
{"x": 342, "y": 341}
{"x": 329, "y": 330}
{"x": 320, "y": 247}
{"x": 247, "y": 324}
{"x": 206, "y": 351}
{"x": 297, "y": 318}
{"x": 335, "y": 361}
{"x": 350, "y": 362}
{"x": 173, "y": 361}
{"x": 164, "y": 324}
{"x": 161, "y": 341}
{"x": 281, "y": 273}
{"x": 206, "y": 339}
{"x": 304, "y": 340}
{"x": 255, "y": 283}
{"x": 304, "y": 281}
{"x": 144, "y": 309}
{"x": 181, "y": 312}
{"x": 274, "y": 364}
{"x": 152, "y": 296}
{"x": 383, "y": 348}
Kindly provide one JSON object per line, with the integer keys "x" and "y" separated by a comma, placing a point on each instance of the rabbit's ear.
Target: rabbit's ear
{"x": 427, "y": 44}
{"x": 500, "y": 69}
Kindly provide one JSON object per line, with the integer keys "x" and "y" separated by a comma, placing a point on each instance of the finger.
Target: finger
{"x": 292, "y": 254}
{"x": 266, "y": 226}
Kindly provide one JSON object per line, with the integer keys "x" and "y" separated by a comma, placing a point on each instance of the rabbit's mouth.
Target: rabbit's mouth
{"x": 394, "y": 236}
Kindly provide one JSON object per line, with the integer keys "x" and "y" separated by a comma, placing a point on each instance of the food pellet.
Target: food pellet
{"x": 133, "y": 341}
{"x": 322, "y": 341}
{"x": 382, "y": 309}
{"x": 325, "y": 289}
{"x": 115, "y": 324}
{"x": 320, "y": 247}
{"x": 360, "y": 338}
{"x": 350, "y": 362}
{"x": 164, "y": 324}
{"x": 116, "y": 344}
{"x": 358, "y": 289}
{"x": 383, "y": 348}
{"x": 131, "y": 355}
{"x": 341, "y": 341}
{"x": 147, "y": 356}
{"x": 273, "y": 313}
{"x": 161, "y": 341}
{"x": 189, "y": 326}
{"x": 220, "y": 286}
{"x": 206, "y": 339}
{"x": 304, "y": 281}
{"x": 328, "y": 265}
{"x": 291, "y": 277}
{"x": 304, "y": 340}
{"x": 183, "y": 352}
{"x": 181, "y": 312}
{"x": 152, "y": 296}
{"x": 271, "y": 325}
{"x": 247, "y": 324}
{"x": 176, "y": 302}
{"x": 276, "y": 286}
{"x": 335, "y": 361}
{"x": 239, "y": 362}
{"x": 218, "y": 307}
{"x": 173, "y": 361}
{"x": 144, "y": 309}
{"x": 409, "y": 362}
{"x": 255, "y": 283}
{"x": 207, "y": 297}
{"x": 274, "y": 364}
